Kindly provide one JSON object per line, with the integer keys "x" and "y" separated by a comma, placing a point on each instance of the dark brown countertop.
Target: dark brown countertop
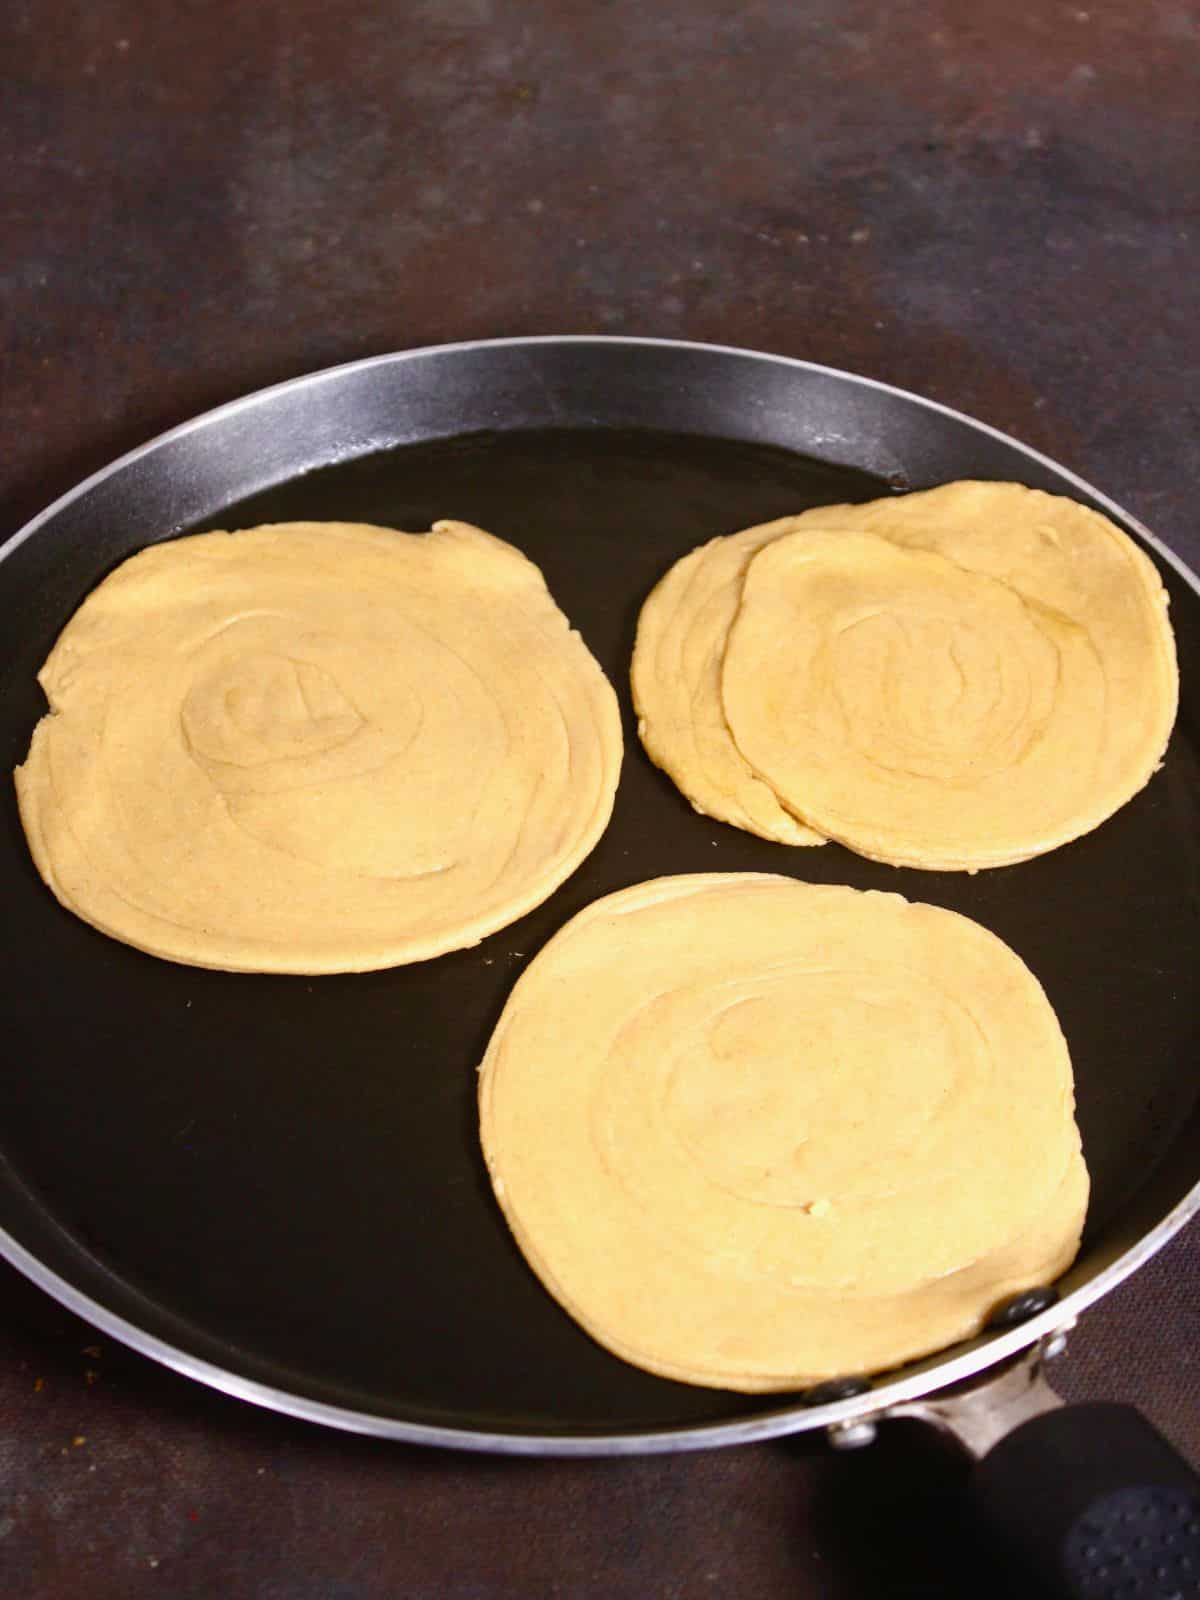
{"x": 995, "y": 208}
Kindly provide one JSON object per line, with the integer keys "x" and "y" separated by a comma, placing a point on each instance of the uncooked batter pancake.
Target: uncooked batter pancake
{"x": 753, "y": 1133}
{"x": 960, "y": 678}
{"x": 676, "y": 681}
{"x": 317, "y": 747}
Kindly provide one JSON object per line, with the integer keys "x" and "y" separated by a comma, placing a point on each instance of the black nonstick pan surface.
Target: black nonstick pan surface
{"x": 274, "y": 1184}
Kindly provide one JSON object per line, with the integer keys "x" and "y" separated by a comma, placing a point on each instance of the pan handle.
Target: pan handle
{"x": 1093, "y": 1501}
{"x": 1089, "y": 1499}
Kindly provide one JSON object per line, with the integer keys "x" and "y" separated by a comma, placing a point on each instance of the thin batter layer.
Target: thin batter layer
{"x": 317, "y": 747}
{"x": 959, "y": 678}
{"x": 753, "y": 1133}
{"x": 676, "y": 682}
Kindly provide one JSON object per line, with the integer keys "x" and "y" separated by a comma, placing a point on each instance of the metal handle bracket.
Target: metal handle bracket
{"x": 978, "y": 1413}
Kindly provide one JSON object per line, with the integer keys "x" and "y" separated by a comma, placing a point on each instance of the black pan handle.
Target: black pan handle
{"x": 1095, "y": 1503}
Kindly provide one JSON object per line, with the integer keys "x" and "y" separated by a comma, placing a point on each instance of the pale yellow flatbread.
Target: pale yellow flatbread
{"x": 317, "y": 747}
{"x": 676, "y": 682}
{"x": 753, "y": 1133}
{"x": 960, "y": 678}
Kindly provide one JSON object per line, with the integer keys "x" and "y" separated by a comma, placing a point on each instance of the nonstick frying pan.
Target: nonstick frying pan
{"x": 273, "y": 1184}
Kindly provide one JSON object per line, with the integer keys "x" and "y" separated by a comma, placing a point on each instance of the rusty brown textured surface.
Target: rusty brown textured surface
{"x": 994, "y": 205}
